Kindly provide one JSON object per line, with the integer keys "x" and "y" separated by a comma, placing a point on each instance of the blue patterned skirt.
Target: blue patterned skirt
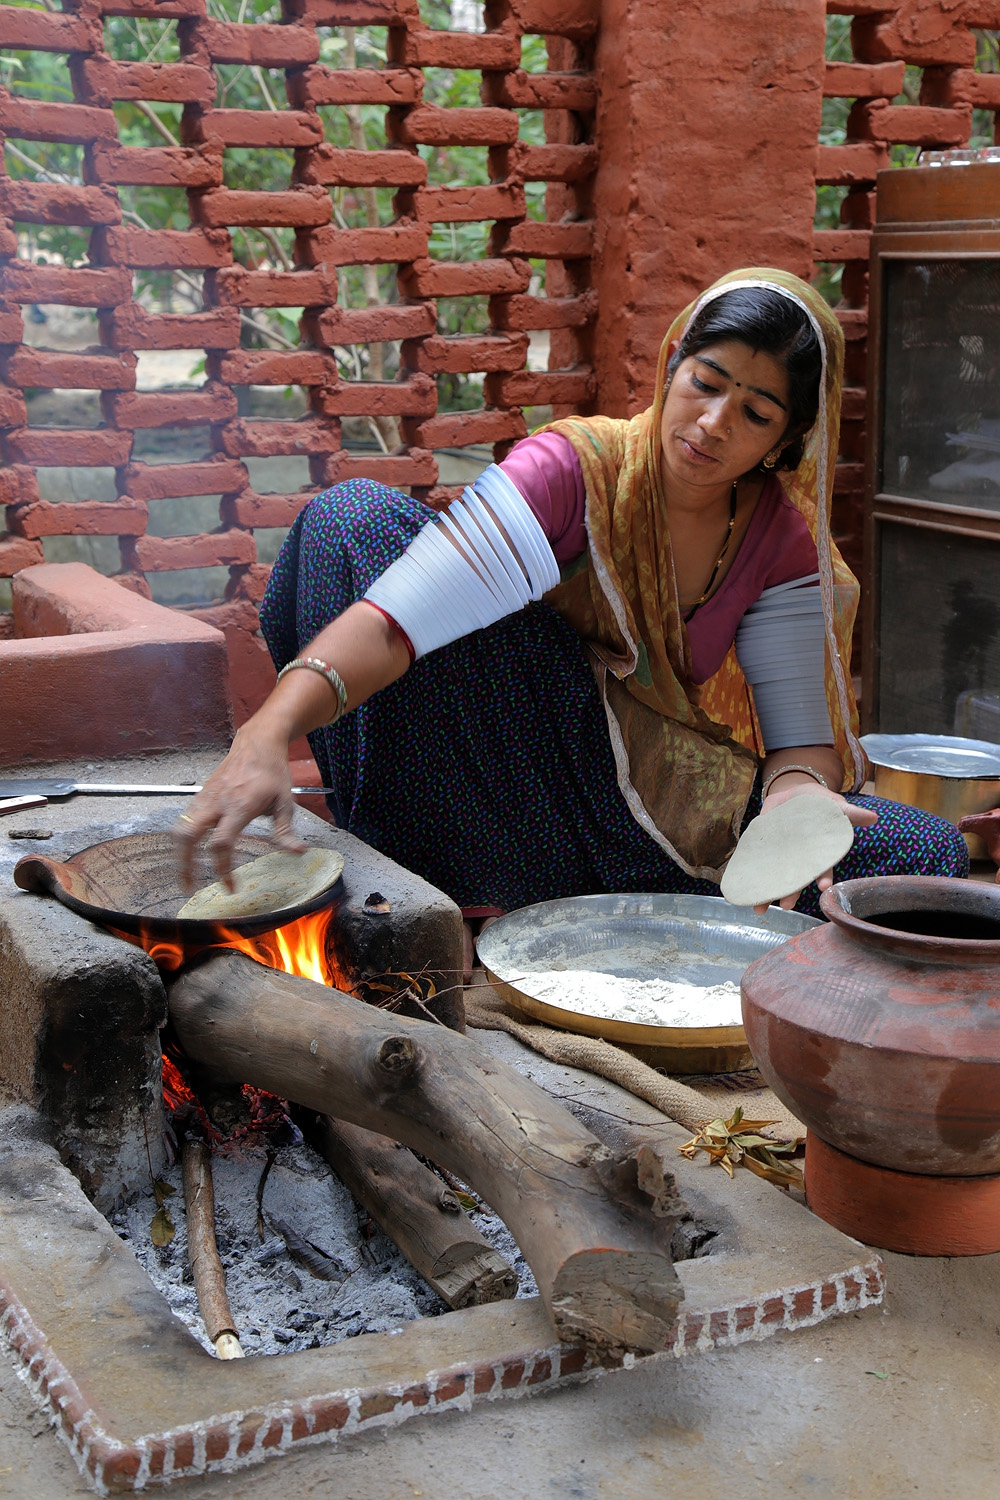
{"x": 487, "y": 768}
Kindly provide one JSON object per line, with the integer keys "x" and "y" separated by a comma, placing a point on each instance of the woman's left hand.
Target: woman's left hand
{"x": 861, "y": 817}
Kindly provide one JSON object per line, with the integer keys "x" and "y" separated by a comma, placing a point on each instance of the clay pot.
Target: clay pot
{"x": 881, "y": 1029}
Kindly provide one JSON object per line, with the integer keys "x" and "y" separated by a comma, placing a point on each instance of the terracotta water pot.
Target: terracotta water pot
{"x": 881, "y": 1029}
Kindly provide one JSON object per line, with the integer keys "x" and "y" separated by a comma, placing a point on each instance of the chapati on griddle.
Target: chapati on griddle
{"x": 274, "y": 882}
{"x": 785, "y": 849}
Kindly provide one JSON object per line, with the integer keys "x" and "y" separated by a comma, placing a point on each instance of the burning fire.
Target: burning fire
{"x": 300, "y": 948}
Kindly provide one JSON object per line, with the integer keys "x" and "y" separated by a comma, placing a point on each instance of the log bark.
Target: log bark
{"x": 418, "y": 1212}
{"x": 593, "y": 1225}
{"x": 203, "y": 1252}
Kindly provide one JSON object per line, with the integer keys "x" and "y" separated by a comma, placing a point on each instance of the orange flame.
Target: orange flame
{"x": 301, "y": 948}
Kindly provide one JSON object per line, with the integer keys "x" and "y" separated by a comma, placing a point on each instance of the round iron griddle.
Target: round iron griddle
{"x": 691, "y": 939}
{"x": 133, "y": 884}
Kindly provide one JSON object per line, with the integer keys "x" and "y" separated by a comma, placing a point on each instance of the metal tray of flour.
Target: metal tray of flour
{"x": 691, "y": 939}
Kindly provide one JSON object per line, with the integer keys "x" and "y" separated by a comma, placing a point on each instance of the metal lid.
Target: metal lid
{"x": 934, "y": 755}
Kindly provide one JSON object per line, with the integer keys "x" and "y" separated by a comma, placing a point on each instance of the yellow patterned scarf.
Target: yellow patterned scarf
{"x": 685, "y": 755}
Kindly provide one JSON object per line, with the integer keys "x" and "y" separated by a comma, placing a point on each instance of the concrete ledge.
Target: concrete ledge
{"x": 96, "y": 670}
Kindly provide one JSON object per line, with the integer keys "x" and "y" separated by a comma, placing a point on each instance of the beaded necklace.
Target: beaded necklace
{"x": 689, "y": 609}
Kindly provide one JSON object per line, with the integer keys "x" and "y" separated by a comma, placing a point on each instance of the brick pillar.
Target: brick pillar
{"x": 707, "y": 128}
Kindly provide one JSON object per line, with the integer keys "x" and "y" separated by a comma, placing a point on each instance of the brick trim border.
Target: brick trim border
{"x": 223, "y": 1443}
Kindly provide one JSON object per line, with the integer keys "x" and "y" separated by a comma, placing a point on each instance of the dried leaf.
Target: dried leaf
{"x": 161, "y": 1230}
{"x": 879, "y": 1374}
{"x": 161, "y": 1191}
{"x": 467, "y": 1201}
{"x": 736, "y": 1142}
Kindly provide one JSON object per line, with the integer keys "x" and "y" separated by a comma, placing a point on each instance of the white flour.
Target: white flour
{"x": 646, "y": 1002}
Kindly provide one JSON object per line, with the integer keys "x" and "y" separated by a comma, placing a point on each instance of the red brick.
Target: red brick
{"x": 570, "y": 240}
{"x": 460, "y": 429}
{"x": 298, "y": 208}
{"x": 572, "y": 1361}
{"x": 465, "y": 353}
{"x": 460, "y": 205}
{"x": 431, "y": 125}
{"x": 154, "y": 166}
{"x": 58, "y": 202}
{"x": 541, "y": 1370}
{"x": 352, "y": 12}
{"x": 334, "y": 166}
{"x": 330, "y": 1416}
{"x": 11, "y": 324}
{"x": 237, "y": 287}
{"x": 164, "y": 554}
{"x": 828, "y": 1295}
{"x": 183, "y": 1444}
{"x": 863, "y": 80}
{"x": 269, "y": 367}
{"x": 120, "y": 1467}
{"x": 542, "y": 388}
{"x": 376, "y": 1404}
{"x": 101, "y": 79}
{"x": 413, "y": 468}
{"x": 521, "y": 90}
{"x": 517, "y": 313}
{"x": 911, "y": 124}
{"x": 878, "y": 38}
{"x": 803, "y": 1302}
{"x": 961, "y": 86}
{"x": 322, "y": 85}
{"x": 88, "y": 369}
{"x": 424, "y": 48}
{"x": 38, "y": 518}
{"x": 8, "y": 240}
{"x": 18, "y": 483}
{"x": 213, "y": 403}
{"x": 576, "y": 19}
{"x": 484, "y": 1379}
{"x": 852, "y": 404}
{"x": 20, "y": 281}
{"x": 513, "y": 1374}
{"x": 259, "y": 43}
{"x": 215, "y": 476}
{"x": 285, "y": 128}
{"x": 556, "y": 163}
{"x": 16, "y": 552}
{"x": 132, "y": 327}
{"x": 306, "y": 437}
{"x": 251, "y": 510}
{"x": 450, "y": 1389}
{"x": 852, "y": 165}
{"x": 415, "y": 397}
{"x": 35, "y": 31}
{"x": 13, "y": 412}
{"x": 773, "y": 1311}
{"x": 718, "y": 1325}
{"x": 165, "y": 249}
{"x": 100, "y": 447}
{"x": 247, "y": 585}
{"x": 849, "y": 479}
{"x": 854, "y": 322}
{"x": 461, "y": 278}
{"x": 439, "y": 496}
{"x": 352, "y": 247}
{"x": 841, "y": 244}
{"x": 38, "y": 120}
{"x": 744, "y": 1317}
{"x": 216, "y": 1444}
{"x": 366, "y": 325}
{"x": 249, "y": 1427}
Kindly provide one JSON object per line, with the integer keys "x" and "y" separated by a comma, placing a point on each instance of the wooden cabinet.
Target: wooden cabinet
{"x": 932, "y": 496}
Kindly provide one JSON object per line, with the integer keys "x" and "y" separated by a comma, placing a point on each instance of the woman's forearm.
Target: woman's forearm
{"x": 822, "y": 758}
{"x": 362, "y": 647}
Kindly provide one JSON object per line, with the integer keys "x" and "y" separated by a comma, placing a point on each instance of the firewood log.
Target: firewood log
{"x": 203, "y": 1252}
{"x": 593, "y": 1225}
{"x": 418, "y": 1212}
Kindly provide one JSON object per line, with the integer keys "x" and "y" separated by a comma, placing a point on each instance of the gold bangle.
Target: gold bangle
{"x": 331, "y": 675}
{"x": 808, "y": 770}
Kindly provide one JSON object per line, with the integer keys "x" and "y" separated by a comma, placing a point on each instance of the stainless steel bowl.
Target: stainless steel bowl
{"x": 939, "y": 773}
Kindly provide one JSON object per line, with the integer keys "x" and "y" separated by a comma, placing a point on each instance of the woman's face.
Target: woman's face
{"x": 727, "y": 406}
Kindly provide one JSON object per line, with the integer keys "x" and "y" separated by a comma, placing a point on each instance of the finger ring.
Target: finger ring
{"x": 183, "y": 818}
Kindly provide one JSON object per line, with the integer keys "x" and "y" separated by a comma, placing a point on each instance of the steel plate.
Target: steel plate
{"x": 934, "y": 755}
{"x": 689, "y": 939}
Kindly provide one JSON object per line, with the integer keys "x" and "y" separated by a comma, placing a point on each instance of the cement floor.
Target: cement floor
{"x": 894, "y": 1402}
{"x": 798, "y": 1417}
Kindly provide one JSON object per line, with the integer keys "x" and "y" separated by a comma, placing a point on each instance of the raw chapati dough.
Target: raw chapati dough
{"x": 786, "y": 848}
{"x": 272, "y": 883}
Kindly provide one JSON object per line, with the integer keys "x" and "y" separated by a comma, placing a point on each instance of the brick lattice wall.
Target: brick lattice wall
{"x": 935, "y": 36}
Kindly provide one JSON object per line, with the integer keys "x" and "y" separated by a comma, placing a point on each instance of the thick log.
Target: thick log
{"x": 589, "y": 1222}
{"x": 203, "y": 1252}
{"x": 418, "y": 1212}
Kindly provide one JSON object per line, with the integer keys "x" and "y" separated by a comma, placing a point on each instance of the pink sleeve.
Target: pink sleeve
{"x": 547, "y": 472}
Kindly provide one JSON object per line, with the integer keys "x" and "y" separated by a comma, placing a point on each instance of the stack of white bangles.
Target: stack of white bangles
{"x": 781, "y": 649}
{"x": 483, "y": 558}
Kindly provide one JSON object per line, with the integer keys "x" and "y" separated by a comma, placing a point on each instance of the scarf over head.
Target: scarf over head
{"x": 685, "y": 756}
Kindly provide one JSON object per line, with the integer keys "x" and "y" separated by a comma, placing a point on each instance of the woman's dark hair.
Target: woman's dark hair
{"x": 771, "y": 324}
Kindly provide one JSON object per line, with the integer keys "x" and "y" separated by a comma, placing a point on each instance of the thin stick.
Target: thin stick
{"x": 203, "y": 1253}
{"x": 271, "y": 1159}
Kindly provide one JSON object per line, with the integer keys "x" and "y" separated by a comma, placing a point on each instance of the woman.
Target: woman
{"x": 606, "y": 738}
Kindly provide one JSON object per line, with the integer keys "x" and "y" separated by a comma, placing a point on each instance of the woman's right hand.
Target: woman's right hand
{"x": 254, "y": 780}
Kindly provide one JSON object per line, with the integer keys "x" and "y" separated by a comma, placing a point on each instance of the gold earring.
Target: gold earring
{"x": 771, "y": 459}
